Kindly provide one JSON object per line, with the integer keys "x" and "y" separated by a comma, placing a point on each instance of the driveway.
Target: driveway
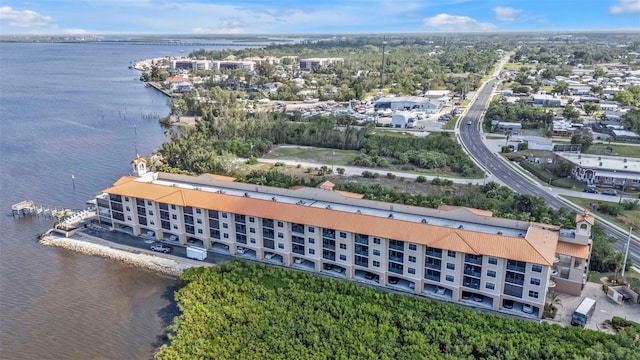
{"x": 605, "y": 308}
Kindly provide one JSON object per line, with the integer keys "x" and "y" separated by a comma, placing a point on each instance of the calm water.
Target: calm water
{"x": 71, "y": 109}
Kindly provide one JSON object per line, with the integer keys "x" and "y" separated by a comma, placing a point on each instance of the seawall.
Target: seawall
{"x": 93, "y": 246}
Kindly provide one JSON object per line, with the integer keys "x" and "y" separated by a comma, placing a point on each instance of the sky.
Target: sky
{"x": 310, "y": 17}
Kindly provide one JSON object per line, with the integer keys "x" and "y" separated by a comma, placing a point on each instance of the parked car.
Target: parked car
{"x": 527, "y": 309}
{"x": 337, "y": 269}
{"x": 161, "y": 248}
{"x": 610, "y": 192}
{"x": 173, "y": 238}
{"x": 298, "y": 261}
{"x": 590, "y": 190}
{"x": 393, "y": 280}
{"x": 412, "y": 285}
{"x": 370, "y": 276}
{"x": 328, "y": 266}
{"x": 241, "y": 250}
{"x": 507, "y": 304}
{"x": 478, "y": 297}
{"x": 440, "y": 290}
{"x": 191, "y": 241}
{"x": 466, "y": 296}
{"x": 269, "y": 256}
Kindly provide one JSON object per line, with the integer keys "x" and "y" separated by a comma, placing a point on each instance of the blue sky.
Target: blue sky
{"x": 319, "y": 16}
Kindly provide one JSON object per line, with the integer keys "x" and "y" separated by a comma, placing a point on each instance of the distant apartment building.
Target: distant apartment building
{"x": 451, "y": 253}
{"x": 219, "y": 65}
{"x": 312, "y": 63}
{"x": 189, "y": 64}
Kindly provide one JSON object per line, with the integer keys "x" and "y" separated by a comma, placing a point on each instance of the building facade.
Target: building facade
{"x": 605, "y": 171}
{"x": 450, "y": 253}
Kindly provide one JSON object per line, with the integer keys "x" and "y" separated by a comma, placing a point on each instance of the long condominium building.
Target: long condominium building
{"x": 452, "y": 253}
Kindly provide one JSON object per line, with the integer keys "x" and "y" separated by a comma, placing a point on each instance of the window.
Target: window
{"x": 199, "y": 221}
{"x": 224, "y": 215}
{"x": 376, "y": 252}
{"x": 411, "y": 270}
{"x": 343, "y": 234}
{"x": 312, "y": 241}
{"x": 491, "y": 273}
{"x": 536, "y": 268}
{"x": 280, "y": 246}
{"x": 493, "y": 261}
{"x": 252, "y": 219}
{"x": 343, "y": 246}
{"x": 451, "y": 266}
{"x": 126, "y": 198}
{"x": 376, "y": 241}
{"x": 535, "y": 281}
{"x": 174, "y": 217}
{"x": 533, "y": 294}
{"x": 280, "y": 224}
{"x": 129, "y": 218}
{"x": 225, "y": 226}
{"x": 199, "y": 231}
{"x": 311, "y": 229}
{"x": 129, "y": 209}
{"x": 152, "y": 222}
{"x": 490, "y": 286}
{"x": 376, "y": 263}
{"x": 280, "y": 235}
{"x": 225, "y": 235}
{"x": 253, "y": 240}
{"x": 151, "y": 212}
{"x": 312, "y": 252}
{"x": 343, "y": 257}
{"x": 198, "y": 211}
{"x": 413, "y": 247}
{"x": 149, "y": 202}
{"x": 449, "y": 278}
{"x": 451, "y": 254}
{"x": 412, "y": 259}
{"x": 252, "y": 230}
{"x": 175, "y": 227}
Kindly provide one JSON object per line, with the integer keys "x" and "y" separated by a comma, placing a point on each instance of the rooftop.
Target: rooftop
{"x": 459, "y": 229}
{"x": 603, "y": 163}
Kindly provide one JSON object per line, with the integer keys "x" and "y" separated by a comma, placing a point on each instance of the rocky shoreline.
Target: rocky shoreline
{"x": 90, "y": 245}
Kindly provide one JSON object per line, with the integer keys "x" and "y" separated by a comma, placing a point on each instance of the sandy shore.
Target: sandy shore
{"x": 90, "y": 245}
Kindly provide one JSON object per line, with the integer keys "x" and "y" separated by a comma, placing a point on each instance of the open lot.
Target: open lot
{"x": 626, "y": 219}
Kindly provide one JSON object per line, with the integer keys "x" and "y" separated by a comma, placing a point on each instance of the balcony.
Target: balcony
{"x": 473, "y": 273}
{"x": 520, "y": 269}
{"x": 554, "y": 271}
{"x": 551, "y": 284}
{"x": 514, "y": 281}
{"x": 477, "y": 260}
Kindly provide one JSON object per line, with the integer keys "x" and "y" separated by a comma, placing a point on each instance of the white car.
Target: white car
{"x": 527, "y": 309}
{"x": 298, "y": 261}
{"x": 161, "y": 248}
{"x": 269, "y": 256}
{"x": 173, "y": 238}
{"x": 440, "y": 290}
{"x": 241, "y": 250}
{"x": 412, "y": 285}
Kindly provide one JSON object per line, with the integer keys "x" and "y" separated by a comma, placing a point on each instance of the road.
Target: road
{"x": 472, "y": 141}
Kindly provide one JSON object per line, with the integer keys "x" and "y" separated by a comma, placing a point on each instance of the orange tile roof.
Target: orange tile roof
{"x": 478, "y": 212}
{"x": 534, "y": 248}
{"x": 349, "y": 194}
{"x": 124, "y": 180}
{"x": 327, "y": 185}
{"x": 585, "y": 216}
{"x": 137, "y": 160}
{"x": 575, "y": 250}
{"x": 219, "y": 177}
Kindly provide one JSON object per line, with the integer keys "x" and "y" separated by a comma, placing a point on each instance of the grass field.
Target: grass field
{"x": 615, "y": 150}
{"x": 628, "y": 217}
{"x": 316, "y": 155}
{"x": 451, "y": 124}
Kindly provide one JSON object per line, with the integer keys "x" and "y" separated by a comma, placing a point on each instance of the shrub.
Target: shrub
{"x": 340, "y": 171}
{"x": 251, "y": 161}
{"x": 391, "y": 176}
{"x": 421, "y": 179}
{"x": 278, "y": 164}
{"x": 369, "y": 174}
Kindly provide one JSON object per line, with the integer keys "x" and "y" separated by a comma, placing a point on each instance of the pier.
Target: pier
{"x": 67, "y": 219}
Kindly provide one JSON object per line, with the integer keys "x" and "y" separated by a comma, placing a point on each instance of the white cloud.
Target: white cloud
{"x": 507, "y": 13}
{"x": 75, "y": 31}
{"x": 625, "y": 7}
{"x": 23, "y": 18}
{"x": 447, "y": 22}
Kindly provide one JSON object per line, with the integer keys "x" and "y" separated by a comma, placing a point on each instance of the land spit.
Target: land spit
{"x": 90, "y": 245}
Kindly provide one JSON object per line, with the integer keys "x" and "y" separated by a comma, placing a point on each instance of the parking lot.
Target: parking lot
{"x": 605, "y": 308}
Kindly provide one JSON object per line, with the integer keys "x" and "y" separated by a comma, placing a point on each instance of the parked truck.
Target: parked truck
{"x": 583, "y": 312}
{"x": 196, "y": 253}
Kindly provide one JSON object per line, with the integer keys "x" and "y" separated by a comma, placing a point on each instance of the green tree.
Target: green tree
{"x": 584, "y": 138}
{"x": 561, "y": 87}
{"x": 571, "y": 113}
{"x": 624, "y": 97}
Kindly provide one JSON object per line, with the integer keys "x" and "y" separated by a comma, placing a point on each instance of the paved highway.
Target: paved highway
{"x": 472, "y": 140}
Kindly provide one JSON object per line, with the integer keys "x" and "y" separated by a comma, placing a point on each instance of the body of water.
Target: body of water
{"x": 74, "y": 109}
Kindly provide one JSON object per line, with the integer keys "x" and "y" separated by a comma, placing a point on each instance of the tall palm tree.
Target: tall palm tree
{"x": 554, "y": 299}
{"x": 616, "y": 259}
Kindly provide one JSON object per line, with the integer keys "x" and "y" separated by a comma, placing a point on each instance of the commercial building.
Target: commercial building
{"x": 189, "y": 64}
{"x": 607, "y": 171}
{"x": 450, "y": 253}
{"x": 232, "y": 65}
{"x": 415, "y": 103}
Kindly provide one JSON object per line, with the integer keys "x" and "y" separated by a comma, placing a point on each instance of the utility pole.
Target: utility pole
{"x": 626, "y": 252}
{"x": 384, "y": 43}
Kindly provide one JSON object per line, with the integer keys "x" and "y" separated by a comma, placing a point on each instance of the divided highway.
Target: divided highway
{"x": 471, "y": 139}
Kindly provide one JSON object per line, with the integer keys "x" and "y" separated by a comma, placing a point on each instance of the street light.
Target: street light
{"x": 332, "y": 155}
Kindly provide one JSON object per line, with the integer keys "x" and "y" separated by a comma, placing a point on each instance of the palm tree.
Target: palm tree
{"x": 615, "y": 259}
{"x": 554, "y": 299}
